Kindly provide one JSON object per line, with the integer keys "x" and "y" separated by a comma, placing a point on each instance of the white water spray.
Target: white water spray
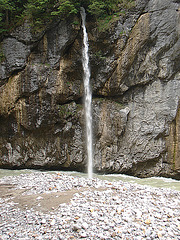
{"x": 87, "y": 95}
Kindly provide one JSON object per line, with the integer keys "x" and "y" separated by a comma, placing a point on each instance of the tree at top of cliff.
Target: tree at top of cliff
{"x": 40, "y": 12}
{"x": 8, "y": 10}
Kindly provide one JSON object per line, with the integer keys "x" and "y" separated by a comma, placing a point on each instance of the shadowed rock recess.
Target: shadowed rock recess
{"x": 135, "y": 77}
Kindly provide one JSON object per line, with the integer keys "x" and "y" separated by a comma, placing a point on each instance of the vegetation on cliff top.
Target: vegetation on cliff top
{"x": 40, "y": 12}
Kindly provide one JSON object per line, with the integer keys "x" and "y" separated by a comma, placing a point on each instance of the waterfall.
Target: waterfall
{"x": 87, "y": 95}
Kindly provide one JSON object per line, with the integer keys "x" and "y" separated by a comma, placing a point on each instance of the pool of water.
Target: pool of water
{"x": 159, "y": 182}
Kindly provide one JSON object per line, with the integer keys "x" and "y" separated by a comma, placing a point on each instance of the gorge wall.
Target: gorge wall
{"x": 135, "y": 67}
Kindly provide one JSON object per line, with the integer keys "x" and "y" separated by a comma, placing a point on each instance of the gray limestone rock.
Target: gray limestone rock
{"x": 136, "y": 88}
{"x": 16, "y": 54}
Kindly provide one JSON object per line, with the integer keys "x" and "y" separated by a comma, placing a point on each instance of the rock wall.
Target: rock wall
{"x": 136, "y": 87}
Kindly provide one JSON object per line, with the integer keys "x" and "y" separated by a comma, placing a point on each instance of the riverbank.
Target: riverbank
{"x": 60, "y": 206}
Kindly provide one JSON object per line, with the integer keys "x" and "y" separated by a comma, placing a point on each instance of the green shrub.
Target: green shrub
{"x": 41, "y": 12}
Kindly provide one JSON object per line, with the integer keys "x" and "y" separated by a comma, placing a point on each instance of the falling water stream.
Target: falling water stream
{"x": 87, "y": 95}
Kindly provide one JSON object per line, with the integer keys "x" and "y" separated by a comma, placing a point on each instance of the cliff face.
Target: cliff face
{"x": 136, "y": 87}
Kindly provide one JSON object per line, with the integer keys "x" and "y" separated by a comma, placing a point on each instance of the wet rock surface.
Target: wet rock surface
{"x": 135, "y": 82}
{"x": 67, "y": 207}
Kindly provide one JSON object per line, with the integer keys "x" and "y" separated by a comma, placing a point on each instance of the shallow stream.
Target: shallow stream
{"x": 154, "y": 181}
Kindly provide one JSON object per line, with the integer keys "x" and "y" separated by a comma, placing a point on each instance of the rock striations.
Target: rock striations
{"x": 135, "y": 80}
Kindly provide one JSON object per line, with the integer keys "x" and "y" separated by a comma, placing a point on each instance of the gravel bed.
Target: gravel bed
{"x": 98, "y": 210}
